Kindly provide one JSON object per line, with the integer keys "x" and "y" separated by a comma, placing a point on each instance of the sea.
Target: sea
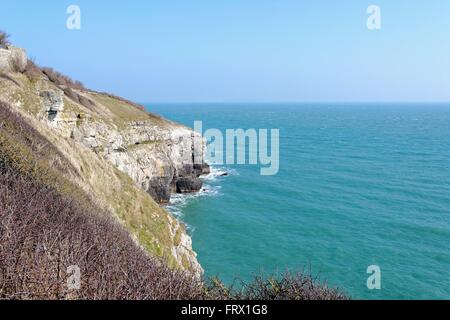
{"x": 359, "y": 185}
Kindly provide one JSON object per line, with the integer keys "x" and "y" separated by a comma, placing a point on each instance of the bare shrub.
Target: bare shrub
{"x": 4, "y": 40}
{"x": 88, "y": 103}
{"x": 17, "y": 64}
{"x": 32, "y": 71}
{"x": 62, "y": 80}
{"x": 71, "y": 94}
{"x": 69, "y": 85}
{"x": 43, "y": 233}
{"x": 287, "y": 286}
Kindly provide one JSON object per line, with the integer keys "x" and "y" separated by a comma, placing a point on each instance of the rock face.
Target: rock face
{"x": 186, "y": 185}
{"x": 53, "y": 102}
{"x": 160, "y": 159}
{"x": 12, "y": 58}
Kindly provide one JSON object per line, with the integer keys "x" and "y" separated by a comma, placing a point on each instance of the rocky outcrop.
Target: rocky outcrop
{"x": 187, "y": 185}
{"x": 160, "y": 159}
{"x": 53, "y": 103}
{"x": 12, "y": 59}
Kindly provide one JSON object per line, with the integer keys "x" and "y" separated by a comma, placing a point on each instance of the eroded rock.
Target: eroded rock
{"x": 53, "y": 102}
{"x": 155, "y": 157}
{"x": 188, "y": 185}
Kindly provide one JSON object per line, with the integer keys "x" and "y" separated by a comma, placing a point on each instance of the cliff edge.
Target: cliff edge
{"x": 127, "y": 160}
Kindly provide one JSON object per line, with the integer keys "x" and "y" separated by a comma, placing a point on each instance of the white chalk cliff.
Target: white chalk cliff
{"x": 128, "y": 159}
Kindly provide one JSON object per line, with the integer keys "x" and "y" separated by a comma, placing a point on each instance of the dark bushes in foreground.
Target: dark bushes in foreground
{"x": 43, "y": 233}
{"x": 32, "y": 71}
{"x": 286, "y": 286}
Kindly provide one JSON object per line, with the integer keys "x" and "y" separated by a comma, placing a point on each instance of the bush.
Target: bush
{"x": 69, "y": 85}
{"x": 75, "y": 97}
{"x": 17, "y": 65}
{"x": 287, "y": 286}
{"x": 43, "y": 233}
{"x": 62, "y": 80}
{"x": 88, "y": 103}
{"x": 32, "y": 71}
{"x": 71, "y": 95}
{"x": 4, "y": 40}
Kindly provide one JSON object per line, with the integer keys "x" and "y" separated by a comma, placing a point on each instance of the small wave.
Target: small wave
{"x": 175, "y": 211}
{"x": 219, "y": 172}
{"x": 179, "y": 201}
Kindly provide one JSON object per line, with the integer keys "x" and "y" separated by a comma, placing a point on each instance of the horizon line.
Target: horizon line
{"x": 294, "y": 102}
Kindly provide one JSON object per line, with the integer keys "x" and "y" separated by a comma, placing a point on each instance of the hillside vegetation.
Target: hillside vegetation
{"x": 112, "y": 190}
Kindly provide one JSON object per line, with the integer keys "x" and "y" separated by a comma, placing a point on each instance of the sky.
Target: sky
{"x": 242, "y": 50}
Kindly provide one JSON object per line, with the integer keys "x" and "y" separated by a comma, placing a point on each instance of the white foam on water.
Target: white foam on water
{"x": 219, "y": 172}
{"x": 179, "y": 201}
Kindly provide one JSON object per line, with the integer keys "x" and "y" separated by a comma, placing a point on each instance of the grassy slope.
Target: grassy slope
{"x": 49, "y": 223}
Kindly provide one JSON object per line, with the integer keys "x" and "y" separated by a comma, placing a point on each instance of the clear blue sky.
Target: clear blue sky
{"x": 242, "y": 50}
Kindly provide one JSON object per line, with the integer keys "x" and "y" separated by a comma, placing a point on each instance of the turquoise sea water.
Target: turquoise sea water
{"x": 359, "y": 185}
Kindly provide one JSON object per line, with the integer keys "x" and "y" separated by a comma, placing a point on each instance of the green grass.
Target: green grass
{"x": 124, "y": 113}
{"x": 120, "y": 109}
{"x": 144, "y": 217}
